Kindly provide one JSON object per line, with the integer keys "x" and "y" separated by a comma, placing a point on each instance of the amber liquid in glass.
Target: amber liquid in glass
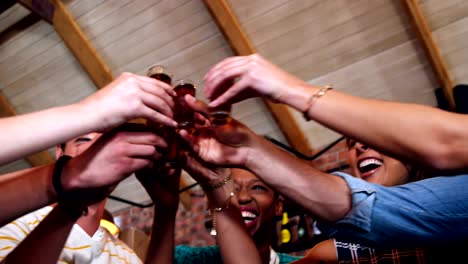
{"x": 162, "y": 77}
{"x": 221, "y": 115}
{"x": 169, "y": 154}
{"x": 183, "y": 114}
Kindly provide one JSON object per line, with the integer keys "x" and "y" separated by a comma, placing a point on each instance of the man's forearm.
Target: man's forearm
{"x": 161, "y": 246}
{"x": 326, "y": 197}
{"x": 25, "y": 191}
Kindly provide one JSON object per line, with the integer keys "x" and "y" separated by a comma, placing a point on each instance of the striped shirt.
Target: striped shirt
{"x": 102, "y": 247}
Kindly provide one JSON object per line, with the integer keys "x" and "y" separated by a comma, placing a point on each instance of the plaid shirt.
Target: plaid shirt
{"x": 352, "y": 253}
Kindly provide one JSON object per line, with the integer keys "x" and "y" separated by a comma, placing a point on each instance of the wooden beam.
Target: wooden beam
{"x": 241, "y": 45}
{"x": 55, "y": 12}
{"x": 18, "y": 27}
{"x": 185, "y": 197}
{"x": 6, "y": 109}
{"x": 79, "y": 45}
{"x": 38, "y": 159}
{"x": 43, "y": 8}
{"x": 426, "y": 40}
{"x": 6, "y": 4}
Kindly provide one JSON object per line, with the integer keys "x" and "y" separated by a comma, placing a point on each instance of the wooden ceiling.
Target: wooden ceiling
{"x": 363, "y": 47}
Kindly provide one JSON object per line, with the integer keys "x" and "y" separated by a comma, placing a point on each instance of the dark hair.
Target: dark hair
{"x": 62, "y": 146}
{"x": 417, "y": 173}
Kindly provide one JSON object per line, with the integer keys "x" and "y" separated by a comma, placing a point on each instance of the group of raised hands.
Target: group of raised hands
{"x": 126, "y": 148}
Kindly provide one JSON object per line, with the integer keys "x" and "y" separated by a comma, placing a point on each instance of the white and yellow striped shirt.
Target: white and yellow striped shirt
{"x": 80, "y": 248}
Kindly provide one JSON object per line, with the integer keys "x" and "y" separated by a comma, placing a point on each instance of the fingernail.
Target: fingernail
{"x": 190, "y": 98}
{"x": 213, "y": 103}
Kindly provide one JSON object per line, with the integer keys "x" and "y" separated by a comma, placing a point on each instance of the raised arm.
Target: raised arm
{"x": 359, "y": 209}
{"x": 129, "y": 96}
{"x": 36, "y": 192}
{"x": 162, "y": 185}
{"x": 235, "y": 145}
{"x": 112, "y": 158}
{"x": 422, "y": 134}
{"x": 235, "y": 243}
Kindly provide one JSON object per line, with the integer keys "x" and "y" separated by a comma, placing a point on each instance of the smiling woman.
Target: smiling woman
{"x": 258, "y": 204}
{"x": 375, "y": 167}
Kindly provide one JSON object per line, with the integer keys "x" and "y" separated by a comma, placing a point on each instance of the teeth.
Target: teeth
{"x": 367, "y": 162}
{"x": 248, "y": 214}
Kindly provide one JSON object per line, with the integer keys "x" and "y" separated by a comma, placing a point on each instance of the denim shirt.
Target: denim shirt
{"x": 426, "y": 212}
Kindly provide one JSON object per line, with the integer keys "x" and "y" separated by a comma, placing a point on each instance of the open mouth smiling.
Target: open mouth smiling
{"x": 368, "y": 166}
{"x": 249, "y": 215}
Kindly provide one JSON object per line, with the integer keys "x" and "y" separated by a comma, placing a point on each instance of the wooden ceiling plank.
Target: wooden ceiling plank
{"x": 241, "y": 45}
{"x": 426, "y": 40}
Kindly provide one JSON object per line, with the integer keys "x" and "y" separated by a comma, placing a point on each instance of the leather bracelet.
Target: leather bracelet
{"x": 314, "y": 96}
{"x": 57, "y": 175}
{"x": 221, "y": 183}
{"x": 65, "y": 201}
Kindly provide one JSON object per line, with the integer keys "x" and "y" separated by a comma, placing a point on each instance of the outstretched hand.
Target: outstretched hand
{"x": 223, "y": 145}
{"x": 131, "y": 96}
{"x": 112, "y": 158}
{"x": 255, "y": 77}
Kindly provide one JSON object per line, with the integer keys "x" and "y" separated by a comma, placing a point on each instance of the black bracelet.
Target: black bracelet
{"x": 57, "y": 175}
{"x": 65, "y": 199}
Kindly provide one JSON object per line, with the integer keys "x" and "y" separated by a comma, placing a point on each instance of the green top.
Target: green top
{"x": 200, "y": 255}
